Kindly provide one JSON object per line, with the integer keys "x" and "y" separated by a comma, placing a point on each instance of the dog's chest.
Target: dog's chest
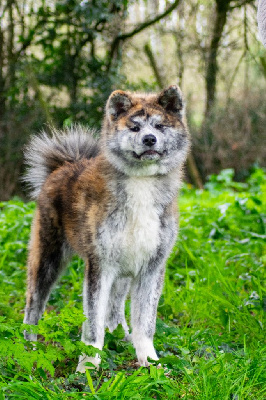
{"x": 131, "y": 235}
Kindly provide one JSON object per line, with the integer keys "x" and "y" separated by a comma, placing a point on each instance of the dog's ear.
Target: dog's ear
{"x": 118, "y": 103}
{"x": 171, "y": 100}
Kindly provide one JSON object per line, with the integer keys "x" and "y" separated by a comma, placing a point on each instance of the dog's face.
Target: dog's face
{"x": 146, "y": 134}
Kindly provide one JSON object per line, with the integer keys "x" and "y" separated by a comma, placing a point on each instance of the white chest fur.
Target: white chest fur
{"x": 141, "y": 238}
{"x": 135, "y": 236}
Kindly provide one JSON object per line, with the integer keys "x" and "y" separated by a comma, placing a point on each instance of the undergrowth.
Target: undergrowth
{"x": 210, "y": 322}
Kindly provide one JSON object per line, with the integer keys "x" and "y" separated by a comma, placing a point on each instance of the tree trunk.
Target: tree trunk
{"x": 221, "y": 10}
{"x": 2, "y": 79}
{"x": 33, "y": 81}
{"x": 179, "y": 38}
{"x": 10, "y": 77}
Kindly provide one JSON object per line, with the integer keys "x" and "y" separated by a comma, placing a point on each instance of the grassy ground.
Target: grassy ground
{"x": 210, "y": 317}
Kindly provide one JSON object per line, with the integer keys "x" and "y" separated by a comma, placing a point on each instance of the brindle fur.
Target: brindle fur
{"x": 113, "y": 202}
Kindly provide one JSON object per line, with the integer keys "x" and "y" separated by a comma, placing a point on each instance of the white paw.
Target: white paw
{"x": 143, "y": 363}
{"x": 128, "y": 337}
{"x": 83, "y": 359}
{"x": 143, "y": 359}
{"x": 144, "y": 349}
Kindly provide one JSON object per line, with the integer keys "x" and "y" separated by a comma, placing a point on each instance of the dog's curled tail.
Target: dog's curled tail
{"x": 45, "y": 153}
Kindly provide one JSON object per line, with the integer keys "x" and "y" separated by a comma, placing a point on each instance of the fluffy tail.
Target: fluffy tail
{"x": 46, "y": 153}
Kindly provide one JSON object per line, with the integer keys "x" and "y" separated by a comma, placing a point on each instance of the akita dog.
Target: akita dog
{"x": 113, "y": 202}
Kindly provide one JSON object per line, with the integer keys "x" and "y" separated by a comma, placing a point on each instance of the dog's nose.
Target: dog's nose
{"x": 149, "y": 140}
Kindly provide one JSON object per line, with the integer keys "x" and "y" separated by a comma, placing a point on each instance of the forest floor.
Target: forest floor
{"x": 209, "y": 334}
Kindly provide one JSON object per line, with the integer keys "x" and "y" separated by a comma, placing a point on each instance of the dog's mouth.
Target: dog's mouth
{"x": 149, "y": 155}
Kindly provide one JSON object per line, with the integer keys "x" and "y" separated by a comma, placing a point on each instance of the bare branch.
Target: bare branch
{"x": 239, "y": 4}
{"x": 124, "y": 36}
{"x": 158, "y": 74}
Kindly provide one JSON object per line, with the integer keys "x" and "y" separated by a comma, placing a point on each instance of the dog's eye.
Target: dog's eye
{"x": 159, "y": 126}
{"x": 135, "y": 128}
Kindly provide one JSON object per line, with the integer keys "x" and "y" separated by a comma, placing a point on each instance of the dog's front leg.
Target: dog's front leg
{"x": 144, "y": 301}
{"x": 96, "y": 293}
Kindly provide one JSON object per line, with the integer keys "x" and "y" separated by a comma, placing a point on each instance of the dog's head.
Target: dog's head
{"x": 146, "y": 134}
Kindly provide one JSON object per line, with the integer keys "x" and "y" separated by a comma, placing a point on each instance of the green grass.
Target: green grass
{"x": 210, "y": 317}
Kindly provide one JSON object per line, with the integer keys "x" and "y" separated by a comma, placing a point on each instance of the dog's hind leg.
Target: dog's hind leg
{"x": 116, "y": 305}
{"x": 96, "y": 293}
{"x": 46, "y": 253}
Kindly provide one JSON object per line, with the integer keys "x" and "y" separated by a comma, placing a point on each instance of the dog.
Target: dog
{"x": 113, "y": 201}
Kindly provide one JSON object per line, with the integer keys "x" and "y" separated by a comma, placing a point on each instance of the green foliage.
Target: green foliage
{"x": 57, "y": 68}
{"x": 224, "y": 180}
{"x": 210, "y": 323}
{"x": 68, "y": 41}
